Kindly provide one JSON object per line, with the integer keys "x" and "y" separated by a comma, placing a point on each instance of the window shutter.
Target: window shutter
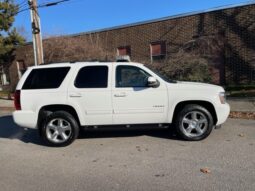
{"x": 158, "y": 48}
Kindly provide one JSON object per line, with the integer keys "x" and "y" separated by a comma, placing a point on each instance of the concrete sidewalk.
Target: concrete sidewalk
{"x": 4, "y": 103}
{"x": 236, "y": 104}
{"x": 242, "y": 104}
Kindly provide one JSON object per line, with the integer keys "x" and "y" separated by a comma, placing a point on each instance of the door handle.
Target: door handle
{"x": 120, "y": 95}
{"x": 75, "y": 95}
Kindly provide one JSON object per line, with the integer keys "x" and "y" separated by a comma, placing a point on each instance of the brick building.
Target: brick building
{"x": 230, "y": 29}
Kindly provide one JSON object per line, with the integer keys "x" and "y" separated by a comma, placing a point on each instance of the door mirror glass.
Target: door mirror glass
{"x": 153, "y": 82}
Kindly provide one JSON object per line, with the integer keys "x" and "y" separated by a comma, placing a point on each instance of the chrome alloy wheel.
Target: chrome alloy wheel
{"x": 58, "y": 130}
{"x": 194, "y": 124}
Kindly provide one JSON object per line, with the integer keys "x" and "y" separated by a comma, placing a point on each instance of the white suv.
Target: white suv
{"x": 59, "y": 99}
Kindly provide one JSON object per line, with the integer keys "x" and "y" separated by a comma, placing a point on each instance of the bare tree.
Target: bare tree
{"x": 195, "y": 61}
{"x": 79, "y": 48}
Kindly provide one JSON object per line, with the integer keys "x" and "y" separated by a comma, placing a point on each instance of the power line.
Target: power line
{"x": 41, "y": 6}
{"x": 23, "y": 7}
{"x": 20, "y": 11}
{"x": 52, "y": 3}
{"x": 21, "y": 4}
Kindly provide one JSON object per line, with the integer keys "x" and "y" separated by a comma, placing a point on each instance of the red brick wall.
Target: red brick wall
{"x": 234, "y": 28}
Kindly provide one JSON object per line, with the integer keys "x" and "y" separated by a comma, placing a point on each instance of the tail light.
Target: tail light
{"x": 17, "y": 100}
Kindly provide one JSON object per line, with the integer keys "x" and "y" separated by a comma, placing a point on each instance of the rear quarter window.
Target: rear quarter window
{"x": 45, "y": 78}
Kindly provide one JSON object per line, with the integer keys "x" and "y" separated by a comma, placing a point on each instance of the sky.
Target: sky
{"x": 78, "y": 16}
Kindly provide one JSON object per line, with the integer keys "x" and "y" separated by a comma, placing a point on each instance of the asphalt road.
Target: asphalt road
{"x": 129, "y": 160}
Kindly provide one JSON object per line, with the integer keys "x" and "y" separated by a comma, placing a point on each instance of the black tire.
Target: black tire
{"x": 186, "y": 112}
{"x": 67, "y": 118}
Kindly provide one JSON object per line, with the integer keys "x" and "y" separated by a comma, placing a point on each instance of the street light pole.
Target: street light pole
{"x": 36, "y": 31}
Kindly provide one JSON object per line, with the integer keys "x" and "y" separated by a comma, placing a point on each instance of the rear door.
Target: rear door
{"x": 90, "y": 91}
{"x": 133, "y": 101}
{"x": 43, "y": 86}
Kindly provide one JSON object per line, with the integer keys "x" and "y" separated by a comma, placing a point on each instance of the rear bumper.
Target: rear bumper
{"x": 26, "y": 119}
{"x": 222, "y": 111}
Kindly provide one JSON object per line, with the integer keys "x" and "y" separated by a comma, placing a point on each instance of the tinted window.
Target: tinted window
{"x": 131, "y": 76}
{"x": 92, "y": 77}
{"x": 46, "y": 78}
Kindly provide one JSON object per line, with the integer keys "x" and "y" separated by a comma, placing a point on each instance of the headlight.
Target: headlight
{"x": 222, "y": 96}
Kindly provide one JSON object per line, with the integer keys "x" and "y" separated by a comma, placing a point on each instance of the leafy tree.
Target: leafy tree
{"x": 9, "y": 36}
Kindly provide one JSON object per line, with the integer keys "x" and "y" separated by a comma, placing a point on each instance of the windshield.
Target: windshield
{"x": 161, "y": 75}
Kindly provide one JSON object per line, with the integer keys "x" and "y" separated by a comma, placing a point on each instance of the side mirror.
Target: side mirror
{"x": 153, "y": 82}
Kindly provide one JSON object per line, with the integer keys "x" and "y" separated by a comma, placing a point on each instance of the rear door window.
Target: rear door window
{"x": 92, "y": 77}
{"x": 45, "y": 78}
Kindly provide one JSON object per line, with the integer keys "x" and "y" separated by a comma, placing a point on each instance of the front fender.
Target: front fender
{"x": 173, "y": 103}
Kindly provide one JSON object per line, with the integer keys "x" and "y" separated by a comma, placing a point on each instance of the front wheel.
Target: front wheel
{"x": 59, "y": 129}
{"x": 194, "y": 123}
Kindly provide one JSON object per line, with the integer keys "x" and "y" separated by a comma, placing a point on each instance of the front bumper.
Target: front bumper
{"x": 26, "y": 119}
{"x": 222, "y": 112}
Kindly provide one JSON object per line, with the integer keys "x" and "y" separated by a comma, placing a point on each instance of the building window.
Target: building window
{"x": 124, "y": 51}
{"x": 158, "y": 50}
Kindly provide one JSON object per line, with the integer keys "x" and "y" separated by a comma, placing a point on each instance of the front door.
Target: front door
{"x": 133, "y": 101}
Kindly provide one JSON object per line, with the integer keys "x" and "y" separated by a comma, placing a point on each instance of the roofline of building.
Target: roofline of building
{"x": 164, "y": 18}
{"x": 252, "y": 2}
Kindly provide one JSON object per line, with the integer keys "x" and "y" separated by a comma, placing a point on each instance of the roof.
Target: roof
{"x": 79, "y": 64}
{"x": 252, "y": 2}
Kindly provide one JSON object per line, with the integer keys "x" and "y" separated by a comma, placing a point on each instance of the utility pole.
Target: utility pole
{"x": 36, "y": 31}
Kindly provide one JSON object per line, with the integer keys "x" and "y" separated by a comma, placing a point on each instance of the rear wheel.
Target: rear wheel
{"x": 194, "y": 123}
{"x": 59, "y": 129}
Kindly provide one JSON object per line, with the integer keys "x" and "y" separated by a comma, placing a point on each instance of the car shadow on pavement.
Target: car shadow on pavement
{"x": 115, "y": 133}
{"x": 9, "y": 130}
